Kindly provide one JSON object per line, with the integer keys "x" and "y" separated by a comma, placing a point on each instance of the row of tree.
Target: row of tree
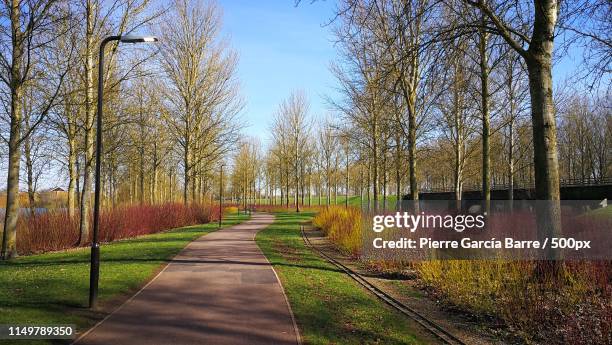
{"x": 171, "y": 110}
{"x": 331, "y": 160}
{"x": 449, "y": 95}
{"x": 452, "y": 79}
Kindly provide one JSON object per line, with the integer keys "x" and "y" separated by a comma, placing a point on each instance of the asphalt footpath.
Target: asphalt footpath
{"x": 219, "y": 290}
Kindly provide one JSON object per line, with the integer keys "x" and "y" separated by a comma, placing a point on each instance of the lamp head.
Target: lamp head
{"x": 137, "y": 39}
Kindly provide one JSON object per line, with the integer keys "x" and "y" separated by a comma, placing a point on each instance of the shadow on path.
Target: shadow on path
{"x": 219, "y": 290}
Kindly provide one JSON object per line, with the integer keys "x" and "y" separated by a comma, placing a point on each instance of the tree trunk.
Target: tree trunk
{"x": 89, "y": 125}
{"x": 486, "y": 124}
{"x": 154, "y": 175}
{"x": 193, "y": 179}
{"x": 303, "y": 183}
{"x": 346, "y": 202}
{"x": 141, "y": 177}
{"x": 384, "y": 182}
{"x": 458, "y": 177}
{"x": 328, "y": 185}
{"x": 309, "y": 186}
{"x": 545, "y": 149}
{"x": 280, "y": 184}
{"x": 368, "y": 188}
{"x": 398, "y": 174}
{"x": 412, "y": 163}
{"x": 141, "y": 171}
{"x": 186, "y": 163}
{"x": 336, "y": 182}
{"x": 27, "y": 152}
{"x": 511, "y": 161}
{"x": 72, "y": 175}
{"x": 9, "y": 238}
{"x": 361, "y": 187}
{"x": 375, "y": 166}
{"x": 297, "y": 181}
{"x": 9, "y": 235}
{"x": 155, "y": 189}
{"x": 287, "y": 185}
{"x": 511, "y": 136}
{"x": 546, "y": 165}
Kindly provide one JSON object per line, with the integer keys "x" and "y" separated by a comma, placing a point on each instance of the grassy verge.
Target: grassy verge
{"x": 53, "y": 288}
{"x": 330, "y": 307}
{"x": 314, "y": 201}
{"x": 604, "y": 212}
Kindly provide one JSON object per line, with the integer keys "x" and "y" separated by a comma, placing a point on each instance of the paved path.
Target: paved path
{"x": 219, "y": 290}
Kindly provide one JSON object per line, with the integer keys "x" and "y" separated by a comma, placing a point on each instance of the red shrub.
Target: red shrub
{"x": 56, "y": 231}
{"x": 46, "y": 232}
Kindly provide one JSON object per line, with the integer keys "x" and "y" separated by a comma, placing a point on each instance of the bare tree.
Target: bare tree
{"x": 202, "y": 88}
{"x": 291, "y": 132}
{"x": 28, "y": 29}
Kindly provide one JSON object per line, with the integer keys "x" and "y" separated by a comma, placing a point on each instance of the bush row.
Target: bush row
{"x": 55, "y": 230}
{"x": 343, "y": 226}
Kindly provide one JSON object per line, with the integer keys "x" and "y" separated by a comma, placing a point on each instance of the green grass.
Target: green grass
{"x": 602, "y": 212}
{"x": 353, "y": 201}
{"x": 329, "y": 306}
{"x": 53, "y": 288}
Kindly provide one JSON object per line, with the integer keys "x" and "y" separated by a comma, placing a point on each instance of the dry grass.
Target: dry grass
{"x": 574, "y": 308}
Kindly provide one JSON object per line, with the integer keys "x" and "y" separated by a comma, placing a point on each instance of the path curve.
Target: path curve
{"x": 219, "y": 290}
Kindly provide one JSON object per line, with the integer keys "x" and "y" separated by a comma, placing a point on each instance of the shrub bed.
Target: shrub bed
{"x": 575, "y": 308}
{"x": 343, "y": 226}
{"x": 55, "y": 230}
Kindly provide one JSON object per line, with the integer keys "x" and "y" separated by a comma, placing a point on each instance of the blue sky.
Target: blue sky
{"x": 282, "y": 48}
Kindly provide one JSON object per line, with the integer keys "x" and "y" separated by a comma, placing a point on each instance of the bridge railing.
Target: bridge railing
{"x": 503, "y": 186}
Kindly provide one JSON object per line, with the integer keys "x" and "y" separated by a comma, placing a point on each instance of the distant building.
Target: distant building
{"x": 53, "y": 198}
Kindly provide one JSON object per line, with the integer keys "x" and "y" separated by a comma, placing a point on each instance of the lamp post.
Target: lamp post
{"x": 220, "y": 195}
{"x": 94, "y": 272}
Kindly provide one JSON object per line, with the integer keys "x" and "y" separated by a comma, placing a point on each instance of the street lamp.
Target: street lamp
{"x": 94, "y": 272}
{"x": 220, "y": 195}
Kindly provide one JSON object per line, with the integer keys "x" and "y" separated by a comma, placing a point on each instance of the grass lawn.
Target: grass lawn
{"x": 329, "y": 306}
{"x": 353, "y": 201}
{"x": 53, "y": 288}
{"x": 602, "y": 212}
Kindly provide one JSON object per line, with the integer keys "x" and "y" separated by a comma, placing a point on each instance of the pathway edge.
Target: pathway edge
{"x": 296, "y": 329}
{"x": 168, "y": 263}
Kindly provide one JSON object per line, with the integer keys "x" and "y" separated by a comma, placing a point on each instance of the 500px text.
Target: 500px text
{"x": 493, "y": 243}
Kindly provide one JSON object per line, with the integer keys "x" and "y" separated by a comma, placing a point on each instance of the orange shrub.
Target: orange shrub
{"x": 343, "y": 226}
{"x": 230, "y": 209}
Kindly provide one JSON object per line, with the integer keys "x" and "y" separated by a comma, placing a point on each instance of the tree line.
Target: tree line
{"x": 171, "y": 109}
{"x": 448, "y": 96}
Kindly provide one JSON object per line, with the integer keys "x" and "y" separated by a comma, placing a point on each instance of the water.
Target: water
{"x": 24, "y": 211}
